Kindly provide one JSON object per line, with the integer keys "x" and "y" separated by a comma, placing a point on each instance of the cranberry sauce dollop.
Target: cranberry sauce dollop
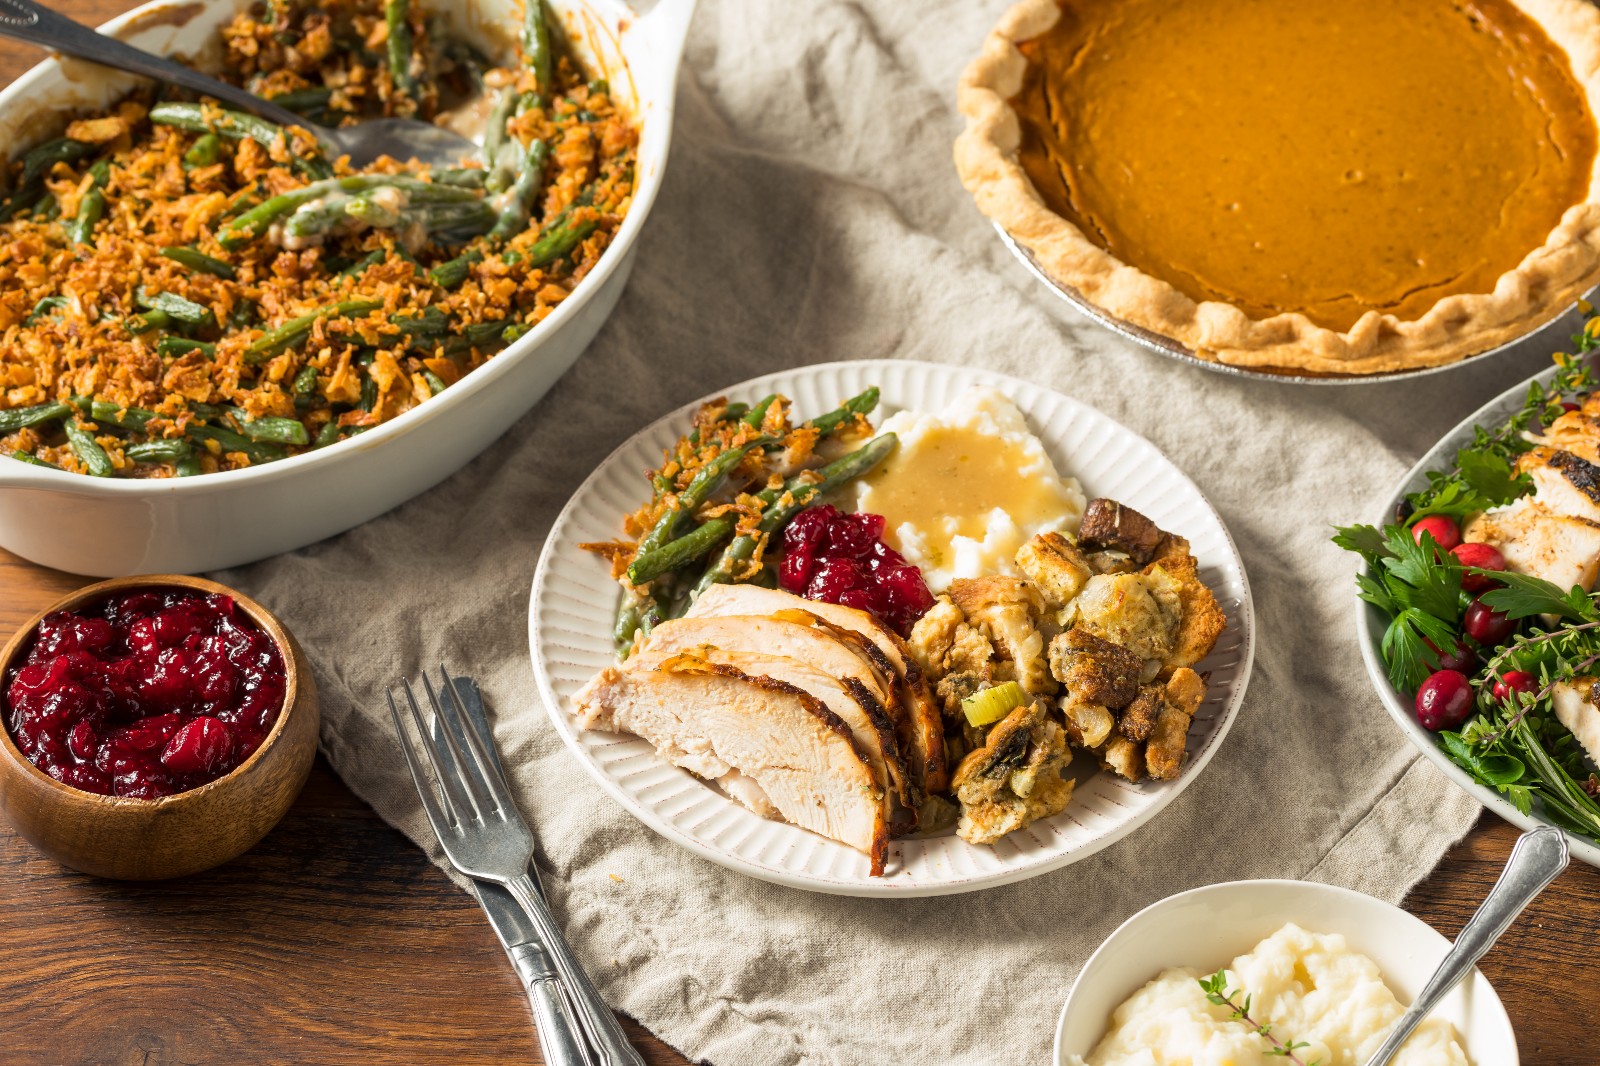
{"x": 841, "y": 558}
{"x": 146, "y": 693}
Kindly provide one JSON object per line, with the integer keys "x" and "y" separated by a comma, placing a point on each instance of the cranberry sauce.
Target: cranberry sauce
{"x": 841, "y": 558}
{"x": 145, "y": 693}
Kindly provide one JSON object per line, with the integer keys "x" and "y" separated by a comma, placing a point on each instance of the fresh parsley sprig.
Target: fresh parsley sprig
{"x": 1219, "y": 994}
{"x": 1418, "y": 585}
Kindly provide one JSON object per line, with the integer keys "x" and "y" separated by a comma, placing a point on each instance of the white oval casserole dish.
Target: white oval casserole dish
{"x": 115, "y": 527}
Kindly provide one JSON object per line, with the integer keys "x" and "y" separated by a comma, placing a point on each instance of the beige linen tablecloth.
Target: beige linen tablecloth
{"x": 812, "y": 213}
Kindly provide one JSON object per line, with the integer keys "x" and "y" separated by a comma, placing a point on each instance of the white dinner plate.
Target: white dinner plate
{"x": 574, "y": 601}
{"x": 1371, "y": 622}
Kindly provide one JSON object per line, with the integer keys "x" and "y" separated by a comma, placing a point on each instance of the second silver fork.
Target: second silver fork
{"x": 484, "y": 836}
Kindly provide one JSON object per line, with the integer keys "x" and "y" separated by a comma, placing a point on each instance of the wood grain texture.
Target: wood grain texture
{"x": 334, "y": 941}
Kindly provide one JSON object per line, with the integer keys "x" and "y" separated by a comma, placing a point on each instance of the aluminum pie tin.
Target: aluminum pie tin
{"x": 1557, "y": 325}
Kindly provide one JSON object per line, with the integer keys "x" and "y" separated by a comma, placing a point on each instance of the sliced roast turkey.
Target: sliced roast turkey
{"x": 758, "y": 732}
{"x": 920, "y": 732}
{"x": 850, "y": 698}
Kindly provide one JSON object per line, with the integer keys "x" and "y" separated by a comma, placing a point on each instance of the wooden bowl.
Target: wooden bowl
{"x": 141, "y": 840}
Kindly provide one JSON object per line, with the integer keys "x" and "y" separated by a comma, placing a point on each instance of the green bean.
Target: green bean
{"x": 236, "y": 126}
{"x": 296, "y": 330}
{"x": 44, "y": 307}
{"x": 464, "y": 177}
{"x": 328, "y": 434}
{"x": 430, "y": 321}
{"x": 400, "y": 44}
{"x": 305, "y": 382}
{"x": 152, "y": 319}
{"x": 22, "y": 417}
{"x": 188, "y": 466}
{"x": 197, "y": 260}
{"x": 518, "y": 206}
{"x": 316, "y": 218}
{"x": 92, "y": 207}
{"x": 795, "y": 495}
{"x": 459, "y": 221}
{"x": 369, "y": 393}
{"x": 36, "y": 165}
{"x": 32, "y": 460}
{"x": 628, "y": 623}
{"x": 254, "y": 222}
{"x": 371, "y": 211}
{"x": 436, "y": 383}
{"x": 165, "y": 450}
{"x": 758, "y": 414}
{"x": 599, "y": 87}
{"x": 301, "y": 101}
{"x": 494, "y": 130}
{"x": 243, "y": 315}
{"x": 205, "y": 151}
{"x": 359, "y": 267}
{"x": 706, "y": 480}
{"x": 93, "y": 457}
{"x": 133, "y": 419}
{"x": 229, "y": 441}
{"x": 515, "y": 332}
{"x": 536, "y": 43}
{"x": 676, "y": 554}
{"x": 271, "y": 429}
{"x": 449, "y": 274}
{"x": 172, "y": 347}
{"x": 177, "y": 308}
{"x": 846, "y": 412}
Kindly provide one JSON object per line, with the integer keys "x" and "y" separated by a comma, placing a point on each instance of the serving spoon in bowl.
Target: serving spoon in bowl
{"x": 400, "y": 138}
{"x": 1537, "y": 859}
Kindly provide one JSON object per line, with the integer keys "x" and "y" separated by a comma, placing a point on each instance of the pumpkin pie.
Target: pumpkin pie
{"x": 1351, "y": 188}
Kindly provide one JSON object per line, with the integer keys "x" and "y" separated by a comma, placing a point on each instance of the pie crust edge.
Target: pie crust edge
{"x": 1537, "y": 290}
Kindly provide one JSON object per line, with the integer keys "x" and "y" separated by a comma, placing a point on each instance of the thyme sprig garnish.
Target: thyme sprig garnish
{"x": 1219, "y": 994}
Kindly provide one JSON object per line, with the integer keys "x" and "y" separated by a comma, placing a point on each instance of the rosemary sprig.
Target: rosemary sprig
{"x": 1218, "y": 993}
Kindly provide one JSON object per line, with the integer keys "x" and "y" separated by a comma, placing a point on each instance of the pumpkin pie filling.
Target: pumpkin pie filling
{"x": 1328, "y": 159}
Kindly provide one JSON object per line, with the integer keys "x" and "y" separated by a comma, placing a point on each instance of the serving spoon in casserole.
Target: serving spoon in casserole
{"x": 399, "y": 138}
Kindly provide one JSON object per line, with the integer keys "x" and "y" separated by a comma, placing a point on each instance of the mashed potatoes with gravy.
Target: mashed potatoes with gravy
{"x": 1306, "y": 986}
{"x": 967, "y": 487}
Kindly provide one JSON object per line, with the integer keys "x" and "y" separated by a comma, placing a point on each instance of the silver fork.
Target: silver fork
{"x": 484, "y": 836}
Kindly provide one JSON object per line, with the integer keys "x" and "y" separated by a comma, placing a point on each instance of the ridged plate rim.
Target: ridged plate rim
{"x": 569, "y": 631}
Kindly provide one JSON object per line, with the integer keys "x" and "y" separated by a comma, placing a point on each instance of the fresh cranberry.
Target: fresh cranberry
{"x": 1460, "y": 658}
{"x": 1518, "y": 681}
{"x": 1444, "y": 700}
{"x": 1484, "y": 557}
{"x": 145, "y": 694}
{"x": 1486, "y": 625}
{"x": 1568, "y": 405}
{"x": 1442, "y": 527}
{"x": 795, "y": 569}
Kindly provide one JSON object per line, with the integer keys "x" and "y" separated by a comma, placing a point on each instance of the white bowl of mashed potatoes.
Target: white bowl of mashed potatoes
{"x": 1322, "y": 965}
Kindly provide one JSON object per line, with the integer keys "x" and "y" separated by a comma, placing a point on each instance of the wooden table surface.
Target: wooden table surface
{"x": 335, "y": 941}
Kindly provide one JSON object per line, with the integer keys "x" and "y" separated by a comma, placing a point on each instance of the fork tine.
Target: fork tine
{"x": 470, "y": 769}
{"x": 482, "y": 748}
{"x": 430, "y": 803}
{"x": 459, "y": 802}
{"x": 472, "y": 711}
